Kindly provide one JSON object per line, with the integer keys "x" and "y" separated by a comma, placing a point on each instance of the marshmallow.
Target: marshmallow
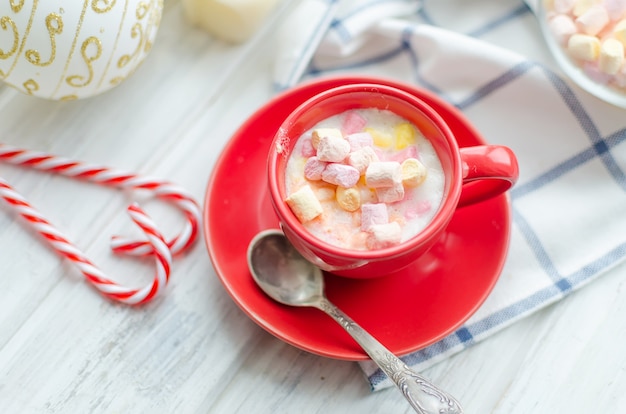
{"x": 593, "y": 20}
{"x": 359, "y": 140}
{"x": 348, "y": 199}
{"x": 383, "y": 174}
{"x": 317, "y": 135}
{"x": 307, "y": 148}
{"x": 404, "y": 135}
{"x": 408, "y": 152}
{"x": 390, "y": 194}
{"x": 619, "y": 31}
{"x": 611, "y": 56}
{"x": 562, "y": 27}
{"x": 353, "y": 122}
{"x": 581, "y": 6}
{"x": 304, "y": 204}
{"x": 341, "y": 175}
{"x": 381, "y": 139}
{"x": 563, "y": 6}
{"x": 384, "y": 235}
{"x": 313, "y": 169}
{"x": 413, "y": 172}
{"x": 332, "y": 149}
{"x": 615, "y": 8}
{"x": 373, "y": 214}
{"x": 584, "y": 47}
{"x": 362, "y": 158}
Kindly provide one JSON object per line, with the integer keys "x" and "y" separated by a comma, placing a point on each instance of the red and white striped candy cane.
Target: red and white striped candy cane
{"x": 155, "y": 244}
{"x": 119, "y": 179}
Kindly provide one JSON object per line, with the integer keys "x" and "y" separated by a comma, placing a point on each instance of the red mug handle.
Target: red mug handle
{"x": 488, "y": 171}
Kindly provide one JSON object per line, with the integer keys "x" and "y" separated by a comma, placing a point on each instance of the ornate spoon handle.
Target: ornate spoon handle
{"x": 423, "y": 395}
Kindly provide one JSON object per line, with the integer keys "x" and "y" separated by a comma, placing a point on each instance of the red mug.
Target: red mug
{"x": 472, "y": 174}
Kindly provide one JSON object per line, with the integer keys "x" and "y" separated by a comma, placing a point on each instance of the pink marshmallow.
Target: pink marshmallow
{"x": 562, "y": 27}
{"x": 390, "y": 194}
{"x": 307, "y": 148}
{"x": 409, "y": 152}
{"x": 341, "y": 175}
{"x": 332, "y": 149}
{"x": 418, "y": 209}
{"x": 353, "y": 122}
{"x": 313, "y": 169}
{"x": 615, "y": 8}
{"x": 361, "y": 159}
{"x": 360, "y": 140}
{"x": 593, "y": 20}
{"x": 373, "y": 214}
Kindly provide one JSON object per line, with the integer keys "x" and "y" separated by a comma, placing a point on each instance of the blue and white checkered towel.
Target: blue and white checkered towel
{"x": 569, "y": 206}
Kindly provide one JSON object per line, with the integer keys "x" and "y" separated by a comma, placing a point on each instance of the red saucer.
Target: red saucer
{"x": 406, "y": 311}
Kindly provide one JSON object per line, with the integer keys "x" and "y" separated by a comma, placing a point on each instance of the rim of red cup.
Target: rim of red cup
{"x": 312, "y": 111}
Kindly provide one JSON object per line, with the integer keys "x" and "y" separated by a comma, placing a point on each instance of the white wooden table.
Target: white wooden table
{"x": 64, "y": 349}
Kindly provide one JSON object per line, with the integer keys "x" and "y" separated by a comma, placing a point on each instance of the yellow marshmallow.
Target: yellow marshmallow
{"x": 619, "y": 31}
{"x": 405, "y": 135}
{"x": 413, "y": 172}
{"x": 304, "y": 204}
{"x": 381, "y": 139}
{"x": 584, "y": 47}
{"x": 581, "y": 7}
{"x": 348, "y": 199}
{"x": 611, "y": 56}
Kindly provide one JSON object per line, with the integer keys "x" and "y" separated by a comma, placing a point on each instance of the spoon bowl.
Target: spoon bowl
{"x": 287, "y": 277}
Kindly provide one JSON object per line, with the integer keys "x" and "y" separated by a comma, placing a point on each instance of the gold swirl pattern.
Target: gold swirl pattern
{"x": 106, "y": 5}
{"x": 31, "y": 86}
{"x": 79, "y": 81}
{"x": 136, "y": 31}
{"x": 74, "y": 49}
{"x": 54, "y": 24}
{"x": 16, "y": 6}
{"x": 5, "y": 22}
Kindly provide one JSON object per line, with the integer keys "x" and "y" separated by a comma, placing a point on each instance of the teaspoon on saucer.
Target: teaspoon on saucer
{"x": 287, "y": 277}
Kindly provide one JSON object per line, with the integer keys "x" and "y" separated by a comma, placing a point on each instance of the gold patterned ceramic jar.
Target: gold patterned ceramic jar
{"x": 71, "y": 49}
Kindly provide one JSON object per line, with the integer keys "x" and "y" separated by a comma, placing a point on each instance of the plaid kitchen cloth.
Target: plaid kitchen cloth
{"x": 488, "y": 59}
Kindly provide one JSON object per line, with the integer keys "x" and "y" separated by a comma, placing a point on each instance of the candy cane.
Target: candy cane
{"x": 155, "y": 244}
{"x": 120, "y": 179}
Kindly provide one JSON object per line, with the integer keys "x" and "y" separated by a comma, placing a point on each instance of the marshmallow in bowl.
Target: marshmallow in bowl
{"x": 386, "y": 178}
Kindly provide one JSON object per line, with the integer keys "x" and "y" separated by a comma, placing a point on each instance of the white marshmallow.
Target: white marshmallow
{"x": 362, "y": 158}
{"x": 390, "y": 194}
{"x": 383, "y": 174}
{"x": 332, "y": 149}
{"x": 563, "y": 6}
{"x": 304, "y": 204}
{"x": 318, "y": 133}
{"x": 384, "y": 235}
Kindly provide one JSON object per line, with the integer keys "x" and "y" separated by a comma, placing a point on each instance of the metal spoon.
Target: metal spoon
{"x": 287, "y": 277}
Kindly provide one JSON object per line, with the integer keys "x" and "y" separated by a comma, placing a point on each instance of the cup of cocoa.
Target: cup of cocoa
{"x": 364, "y": 178}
